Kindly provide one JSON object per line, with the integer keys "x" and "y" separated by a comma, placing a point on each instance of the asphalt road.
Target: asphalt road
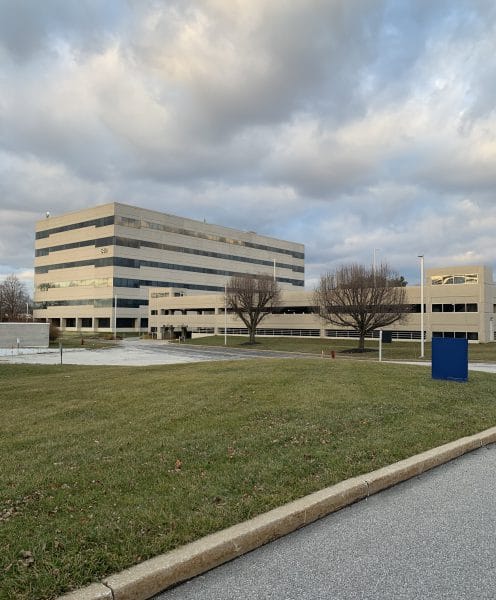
{"x": 432, "y": 537}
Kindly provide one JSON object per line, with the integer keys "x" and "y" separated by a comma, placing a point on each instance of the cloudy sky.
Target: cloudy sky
{"x": 346, "y": 125}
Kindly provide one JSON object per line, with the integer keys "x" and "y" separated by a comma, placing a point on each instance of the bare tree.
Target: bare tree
{"x": 252, "y": 298}
{"x": 13, "y": 299}
{"x": 361, "y": 298}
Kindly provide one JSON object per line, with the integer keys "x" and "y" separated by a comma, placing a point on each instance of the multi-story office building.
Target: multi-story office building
{"x": 93, "y": 268}
{"x": 458, "y": 302}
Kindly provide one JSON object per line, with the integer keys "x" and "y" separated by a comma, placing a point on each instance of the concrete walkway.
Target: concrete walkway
{"x": 432, "y": 537}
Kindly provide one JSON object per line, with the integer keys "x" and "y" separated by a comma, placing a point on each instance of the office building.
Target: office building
{"x": 93, "y": 268}
{"x": 459, "y": 302}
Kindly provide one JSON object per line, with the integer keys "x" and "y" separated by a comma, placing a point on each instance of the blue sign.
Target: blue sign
{"x": 450, "y": 359}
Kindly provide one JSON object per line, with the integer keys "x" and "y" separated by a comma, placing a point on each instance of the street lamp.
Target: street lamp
{"x": 422, "y": 341}
{"x": 374, "y": 263}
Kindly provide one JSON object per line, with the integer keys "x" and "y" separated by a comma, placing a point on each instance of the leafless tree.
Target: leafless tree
{"x": 13, "y": 299}
{"x": 361, "y": 297}
{"x": 252, "y": 298}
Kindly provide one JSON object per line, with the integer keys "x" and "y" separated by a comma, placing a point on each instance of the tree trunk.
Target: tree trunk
{"x": 361, "y": 342}
{"x": 252, "y": 336}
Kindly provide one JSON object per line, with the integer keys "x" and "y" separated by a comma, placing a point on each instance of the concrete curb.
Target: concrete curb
{"x": 157, "y": 574}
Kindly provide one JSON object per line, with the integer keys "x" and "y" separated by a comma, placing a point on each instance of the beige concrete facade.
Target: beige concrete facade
{"x": 459, "y": 302}
{"x": 88, "y": 261}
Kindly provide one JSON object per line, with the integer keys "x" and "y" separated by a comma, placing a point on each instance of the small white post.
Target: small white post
{"x": 380, "y": 345}
{"x": 225, "y": 314}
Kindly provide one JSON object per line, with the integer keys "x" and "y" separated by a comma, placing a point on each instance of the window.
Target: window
{"x": 125, "y": 323}
{"x": 103, "y": 322}
{"x": 70, "y": 322}
{"x": 469, "y": 335}
{"x": 101, "y": 222}
{"x": 154, "y": 312}
{"x": 415, "y": 308}
{"x": 454, "y": 279}
{"x": 458, "y": 308}
{"x": 86, "y": 322}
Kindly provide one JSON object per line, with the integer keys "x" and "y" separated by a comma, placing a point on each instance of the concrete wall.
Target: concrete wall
{"x": 30, "y": 335}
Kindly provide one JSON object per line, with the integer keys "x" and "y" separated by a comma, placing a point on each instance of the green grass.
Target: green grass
{"x": 101, "y": 468}
{"x": 89, "y": 341}
{"x": 394, "y": 351}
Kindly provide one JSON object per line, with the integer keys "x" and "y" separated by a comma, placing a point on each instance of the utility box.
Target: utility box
{"x": 387, "y": 337}
{"x": 450, "y": 359}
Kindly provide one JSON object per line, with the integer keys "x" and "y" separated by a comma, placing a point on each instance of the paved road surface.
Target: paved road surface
{"x": 433, "y": 537}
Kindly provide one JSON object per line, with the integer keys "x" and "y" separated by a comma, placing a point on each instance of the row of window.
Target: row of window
{"x": 274, "y": 332}
{"x": 308, "y": 310}
{"x": 99, "y": 282}
{"x": 464, "y": 335}
{"x": 101, "y": 222}
{"x": 458, "y": 308}
{"x": 351, "y": 333}
{"x": 454, "y": 279}
{"x": 95, "y": 302}
{"x": 167, "y": 294}
{"x": 132, "y": 243}
{"x": 132, "y": 263}
{"x": 143, "y": 224}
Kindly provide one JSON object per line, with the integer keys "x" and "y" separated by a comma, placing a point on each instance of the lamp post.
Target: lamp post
{"x": 374, "y": 263}
{"x": 115, "y": 317}
{"x": 274, "y": 269}
{"x": 422, "y": 341}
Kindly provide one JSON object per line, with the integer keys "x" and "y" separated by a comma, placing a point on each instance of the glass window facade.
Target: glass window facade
{"x": 101, "y": 222}
{"x": 132, "y": 263}
{"x": 132, "y": 243}
{"x": 144, "y": 224}
{"x": 454, "y": 279}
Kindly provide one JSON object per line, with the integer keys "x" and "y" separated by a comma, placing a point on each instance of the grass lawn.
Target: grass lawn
{"x": 101, "y": 468}
{"x": 88, "y": 341}
{"x": 394, "y": 351}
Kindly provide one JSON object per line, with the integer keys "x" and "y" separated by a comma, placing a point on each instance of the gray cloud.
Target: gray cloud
{"x": 343, "y": 125}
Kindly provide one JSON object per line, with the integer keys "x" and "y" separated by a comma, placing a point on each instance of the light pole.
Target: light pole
{"x": 115, "y": 317}
{"x": 374, "y": 263}
{"x": 274, "y": 269}
{"x": 422, "y": 341}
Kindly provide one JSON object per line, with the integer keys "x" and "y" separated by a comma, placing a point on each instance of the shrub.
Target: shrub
{"x": 54, "y": 332}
